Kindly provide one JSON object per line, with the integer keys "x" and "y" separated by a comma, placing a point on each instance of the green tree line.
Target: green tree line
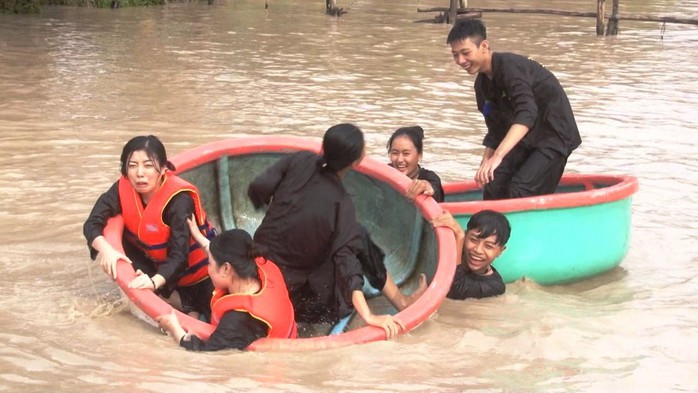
{"x": 34, "y": 6}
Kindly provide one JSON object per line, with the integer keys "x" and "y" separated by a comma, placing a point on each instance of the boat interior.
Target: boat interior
{"x": 394, "y": 223}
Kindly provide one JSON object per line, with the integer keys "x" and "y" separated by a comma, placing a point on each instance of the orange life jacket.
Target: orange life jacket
{"x": 270, "y": 305}
{"x": 144, "y": 227}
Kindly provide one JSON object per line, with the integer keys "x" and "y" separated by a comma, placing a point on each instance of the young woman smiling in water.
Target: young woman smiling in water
{"x": 405, "y": 152}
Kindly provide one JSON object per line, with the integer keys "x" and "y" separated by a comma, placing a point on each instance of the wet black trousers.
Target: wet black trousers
{"x": 526, "y": 172}
{"x": 326, "y": 304}
{"x": 372, "y": 260}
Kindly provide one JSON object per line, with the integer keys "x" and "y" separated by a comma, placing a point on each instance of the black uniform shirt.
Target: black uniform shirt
{"x": 435, "y": 181}
{"x": 522, "y": 91}
{"x": 237, "y": 329}
{"x": 174, "y": 215}
{"x": 311, "y": 220}
{"x": 467, "y": 284}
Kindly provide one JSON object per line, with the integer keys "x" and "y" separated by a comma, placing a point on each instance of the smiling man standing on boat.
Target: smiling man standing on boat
{"x": 531, "y": 130}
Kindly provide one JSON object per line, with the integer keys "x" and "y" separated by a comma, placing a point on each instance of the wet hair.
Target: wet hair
{"x": 342, "y": 145}
{"x": 235, "y": 247}
{"x": 488, "y": 223}
{"x": 415, "y": 133}
{"x": 152, "y": 147}
{"x": 467, "y": 28}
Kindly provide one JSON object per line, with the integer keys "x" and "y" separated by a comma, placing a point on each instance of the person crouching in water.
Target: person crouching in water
{"x": 250, "y": 300}
{"x": 479, "y": 245}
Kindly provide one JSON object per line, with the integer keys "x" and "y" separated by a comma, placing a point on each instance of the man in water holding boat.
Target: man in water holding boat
{"x": 483, "y": 241}
{"x": 531, "y": 130}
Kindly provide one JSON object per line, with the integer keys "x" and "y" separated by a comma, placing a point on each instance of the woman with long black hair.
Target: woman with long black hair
{"x": 310, "y": 230}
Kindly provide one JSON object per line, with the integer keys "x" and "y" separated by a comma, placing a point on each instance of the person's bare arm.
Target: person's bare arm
{"x": 446, "y": 219}
{"x": 108, "y": 256}
{"x": 388, "y": 323}
{"x": 170, "y": 323}
{"x": 196, "y": 233}
{"x": 485, "y": 173}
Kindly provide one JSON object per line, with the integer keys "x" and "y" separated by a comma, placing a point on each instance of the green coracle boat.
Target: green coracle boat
{"x": 580, "y": 231}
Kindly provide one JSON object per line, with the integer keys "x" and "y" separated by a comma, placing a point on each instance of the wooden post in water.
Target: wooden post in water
{"x": 453, "y": 13}
{"x": 332, "y": 8}
{"x": 612, "y": 28}
{"x": 463, "y": 3}
{"x": 476, "y": 13}
{"x": 600, "y": 16}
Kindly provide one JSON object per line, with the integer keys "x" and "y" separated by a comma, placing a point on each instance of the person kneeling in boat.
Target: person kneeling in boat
{"x": 310, "y": 231}
{"x": 405, "y": 151}
{"x": 250, "y": 300}
{"x": 483, "y": 241}
{"x": 155, "y": 205}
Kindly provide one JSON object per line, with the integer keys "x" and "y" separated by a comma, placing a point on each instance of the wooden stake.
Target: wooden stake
{"x": 637, "y": 17}
{"x": 612, "y": 28}
{"x": 453, "y": 12}
{"x": 600, "y": 16}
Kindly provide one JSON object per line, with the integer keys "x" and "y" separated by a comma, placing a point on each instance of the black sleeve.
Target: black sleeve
{"x": 237, "y": 330}
{"x": 467, "y": 285}
{"x": 435, "y": 181}
{"x": 372, "y": 260}
{"x": 175, "y": 215}
{"x": 107, "y": 206}
{"x": 263, "y": 186}
{"x": 517, "y": 77}
{"x": 495, "y": 129}
{"x": 346, "y": 244}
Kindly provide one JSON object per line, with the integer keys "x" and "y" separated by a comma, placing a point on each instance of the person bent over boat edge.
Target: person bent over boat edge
{"x": 483, "y": 241}
{"x": 310, "y": 230}
{"x": 250, "y": 300}
{"x": 155, "y": 205}
{"x": 405, "y": 148}
{"x": 531, "y": 130}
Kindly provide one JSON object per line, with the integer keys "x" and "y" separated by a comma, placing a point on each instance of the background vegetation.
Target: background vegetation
{"x": 34, "y": 6}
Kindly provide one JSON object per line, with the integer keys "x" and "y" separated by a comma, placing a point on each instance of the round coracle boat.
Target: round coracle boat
{"x": 580, "y": 231}
{"x": 223, "y": 170}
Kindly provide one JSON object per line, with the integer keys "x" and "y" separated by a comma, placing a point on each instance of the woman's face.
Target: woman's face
{"x": 219, "y": 275}
{"x": 404, "y": 157}
{"x": 144, "y": 174}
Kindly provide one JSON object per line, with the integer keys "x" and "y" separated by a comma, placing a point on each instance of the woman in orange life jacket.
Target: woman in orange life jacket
{"x": 250, "y": 300}
{"x": 155, "y": 205}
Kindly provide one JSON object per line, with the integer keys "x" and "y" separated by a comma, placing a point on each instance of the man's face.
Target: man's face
{"x": 471, "y": 57}
{"x": 480, "y": 253}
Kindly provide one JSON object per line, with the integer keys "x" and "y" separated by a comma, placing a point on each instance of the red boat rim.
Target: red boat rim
{"x": 615, "y": 188}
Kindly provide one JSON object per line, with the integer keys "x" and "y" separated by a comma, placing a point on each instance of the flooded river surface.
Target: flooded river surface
{"x": 77, "y": 83}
